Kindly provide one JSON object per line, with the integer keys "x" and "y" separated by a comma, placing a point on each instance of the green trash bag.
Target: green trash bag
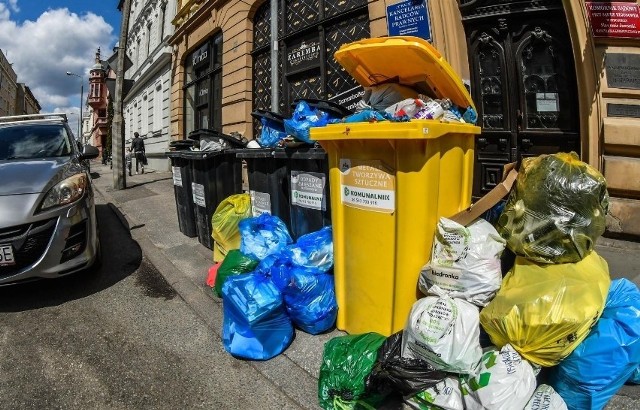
{"x": 224, "y": 224}
{"x": 556, "y": 211}
{"x": 346, "y": 363}
{"x": 235, "y": 263}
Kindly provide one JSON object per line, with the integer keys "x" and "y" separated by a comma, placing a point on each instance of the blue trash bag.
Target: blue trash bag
{"x": 314, "y": 250}
{"x": 271, "y": 133}
{"x": 605, "y": 360}
{"x": 635, "y": 376}
{"x": 263, "y": 235}
{"x": 303, "y": 119}
{"x": 255, "y": 324}
{"x": 284, "y": 267}
{"x": 310, "y": 301}
{"x": 365, "y": 116}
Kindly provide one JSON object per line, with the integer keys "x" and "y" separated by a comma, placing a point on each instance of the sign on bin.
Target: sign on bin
{"x": 307, "y": 190}
{"x": 260, "y": 203}
{"x": 368, "y": 185}
{"x": 177, "y": 176}
{"x": 198, "y": 194}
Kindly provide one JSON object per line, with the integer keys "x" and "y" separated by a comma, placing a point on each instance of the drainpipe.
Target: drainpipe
{"x": 275, "y": 103}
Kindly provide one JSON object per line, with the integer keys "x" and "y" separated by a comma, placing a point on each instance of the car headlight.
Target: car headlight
{"x": 66, "y": 192}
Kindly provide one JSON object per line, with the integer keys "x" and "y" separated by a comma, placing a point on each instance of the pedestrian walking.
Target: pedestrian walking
{"x": 137, "y": 150}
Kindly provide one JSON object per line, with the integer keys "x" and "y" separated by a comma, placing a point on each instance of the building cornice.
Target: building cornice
{"x": 157, "y": 65}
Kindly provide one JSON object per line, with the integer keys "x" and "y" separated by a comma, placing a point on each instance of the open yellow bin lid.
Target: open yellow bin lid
{"x": 413, "y": 60}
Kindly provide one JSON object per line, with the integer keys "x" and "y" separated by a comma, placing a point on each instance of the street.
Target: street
{"x": 118, "y": 337}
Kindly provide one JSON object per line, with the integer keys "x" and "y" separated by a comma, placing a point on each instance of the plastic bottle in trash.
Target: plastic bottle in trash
{"x": 432, "y": 110}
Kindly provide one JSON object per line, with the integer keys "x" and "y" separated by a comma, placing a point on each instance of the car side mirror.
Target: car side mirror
{"x": 89, "y": 152}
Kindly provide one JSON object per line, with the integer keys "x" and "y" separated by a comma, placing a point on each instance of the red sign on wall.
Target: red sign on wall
{"x": 615, "y": 19}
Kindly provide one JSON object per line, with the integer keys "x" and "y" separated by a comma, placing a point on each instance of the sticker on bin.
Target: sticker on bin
{"x": 260, "y": 203}
{"x": 307, "y": 190}
{"x": 367, "y": 185}
{"x": 198, "y": 194}
{"x": 177, "y": 176}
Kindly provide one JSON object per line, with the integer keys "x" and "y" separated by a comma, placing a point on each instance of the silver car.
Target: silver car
{"x": 48, "y": 225}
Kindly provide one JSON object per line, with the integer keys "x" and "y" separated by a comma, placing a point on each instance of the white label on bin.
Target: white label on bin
{"x": 307, "y": 190}
{"x": 367, "y": 185}
{"x": 177, "y": 176}
{"x": 260, "y": 203}
{"x": 198, "y": 194}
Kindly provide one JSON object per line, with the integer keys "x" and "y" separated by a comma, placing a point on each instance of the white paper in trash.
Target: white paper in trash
{"x": 445, "y": 332}
{"x": 504, "y": 381}
{"x": 445, "y": 395}
{"x": 545, "y": 397}
{"x": 465, "y": 261}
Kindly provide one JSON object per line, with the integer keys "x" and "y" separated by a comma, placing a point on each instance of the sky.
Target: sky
{"x": 44, "y": 39}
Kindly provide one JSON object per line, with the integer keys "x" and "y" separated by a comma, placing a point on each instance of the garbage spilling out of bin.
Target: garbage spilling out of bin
{"x": 505, "y": 305}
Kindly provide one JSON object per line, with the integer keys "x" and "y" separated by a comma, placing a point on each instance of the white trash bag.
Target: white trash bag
{"x": 445, "y": 332}
{"x": 465, "y": 261}
{"x": 504, "y": 381}
{"x": 445, "y": 395}
{"x": 545, "y": 397}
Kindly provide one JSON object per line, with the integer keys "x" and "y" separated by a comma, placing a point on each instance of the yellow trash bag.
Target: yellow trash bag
{"x": 545, "y": 311}
{"x": 224, "y": 224}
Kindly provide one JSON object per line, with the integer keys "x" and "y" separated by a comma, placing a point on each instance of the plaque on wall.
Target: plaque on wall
{"x": 614, "y": 19}
{"x": 409, "y": 18}
{"x": 623, "y": 110}
{"x": 623, "y": 70}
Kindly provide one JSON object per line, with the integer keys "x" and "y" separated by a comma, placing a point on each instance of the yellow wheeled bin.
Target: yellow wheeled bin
{"x": 390, "y": 182}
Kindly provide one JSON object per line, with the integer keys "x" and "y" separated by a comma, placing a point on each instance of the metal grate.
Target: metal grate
{"x": 338, "y": 80}
{"x": 28, "y": 245}
{"x": 308, "y": 87}
{"x": 301, "y": 14}
{"x": 262, "y": 27}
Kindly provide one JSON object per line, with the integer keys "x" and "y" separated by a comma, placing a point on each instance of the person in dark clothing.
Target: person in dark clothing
{"x": 137, "y": 150}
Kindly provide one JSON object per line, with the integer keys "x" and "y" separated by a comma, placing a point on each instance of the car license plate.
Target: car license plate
{"x": 6, "y": 255}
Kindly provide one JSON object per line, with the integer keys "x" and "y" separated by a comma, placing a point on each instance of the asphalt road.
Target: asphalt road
{"x": 117, "y": 337}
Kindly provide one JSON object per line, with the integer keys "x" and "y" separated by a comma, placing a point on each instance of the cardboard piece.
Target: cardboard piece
{"x": 490, "y": 199}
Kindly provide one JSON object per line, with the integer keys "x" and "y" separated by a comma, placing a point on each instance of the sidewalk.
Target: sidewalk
{"x": 148, "y": 204}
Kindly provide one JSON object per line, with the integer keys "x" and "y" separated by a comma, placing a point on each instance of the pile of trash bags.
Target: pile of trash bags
{"x": 549, "y": 331}
{"x": 270, "y": 286}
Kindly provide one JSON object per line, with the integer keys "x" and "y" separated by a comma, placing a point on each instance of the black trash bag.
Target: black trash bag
{"x": 394, "y": 373}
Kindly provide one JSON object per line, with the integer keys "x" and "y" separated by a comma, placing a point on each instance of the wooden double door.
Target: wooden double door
{"x": 523, "y": 83}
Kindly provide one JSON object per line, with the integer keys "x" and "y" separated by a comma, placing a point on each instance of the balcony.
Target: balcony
{"x": 186, "y": 9}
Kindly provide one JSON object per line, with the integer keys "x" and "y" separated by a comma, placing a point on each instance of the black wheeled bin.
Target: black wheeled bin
{"x": 307, "y": 183}
{"x": 182, "y": 190}
{"x": 268, "y": 182}
{"x": 215, "y": 175}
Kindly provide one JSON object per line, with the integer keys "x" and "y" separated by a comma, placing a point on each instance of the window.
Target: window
{"x": 161, "y": 18}
{"x": 144, "y": 117}
{"x": 309, "y": 33}
{"x": 203, "y": 87}
{"x": 157, "y": 108}
{"x": 148, "y": 40}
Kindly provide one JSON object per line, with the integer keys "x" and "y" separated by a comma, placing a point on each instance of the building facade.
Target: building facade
{"x": 26, "y": 102}
{"x": 543, "y": 80}
{"x": 94, "y": 122}
{"x": 8, "y": 87}
{"x": 146, "y": 105}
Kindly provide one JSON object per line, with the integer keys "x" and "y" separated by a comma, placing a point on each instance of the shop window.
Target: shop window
{"x": 203, "y": 87}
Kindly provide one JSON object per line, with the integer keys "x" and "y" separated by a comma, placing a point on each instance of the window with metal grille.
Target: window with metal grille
{"x": 203, "y": 87}
{"x": 308, "y": 36}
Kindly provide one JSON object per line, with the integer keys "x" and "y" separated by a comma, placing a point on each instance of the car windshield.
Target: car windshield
{"x": 33, "y": 141}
